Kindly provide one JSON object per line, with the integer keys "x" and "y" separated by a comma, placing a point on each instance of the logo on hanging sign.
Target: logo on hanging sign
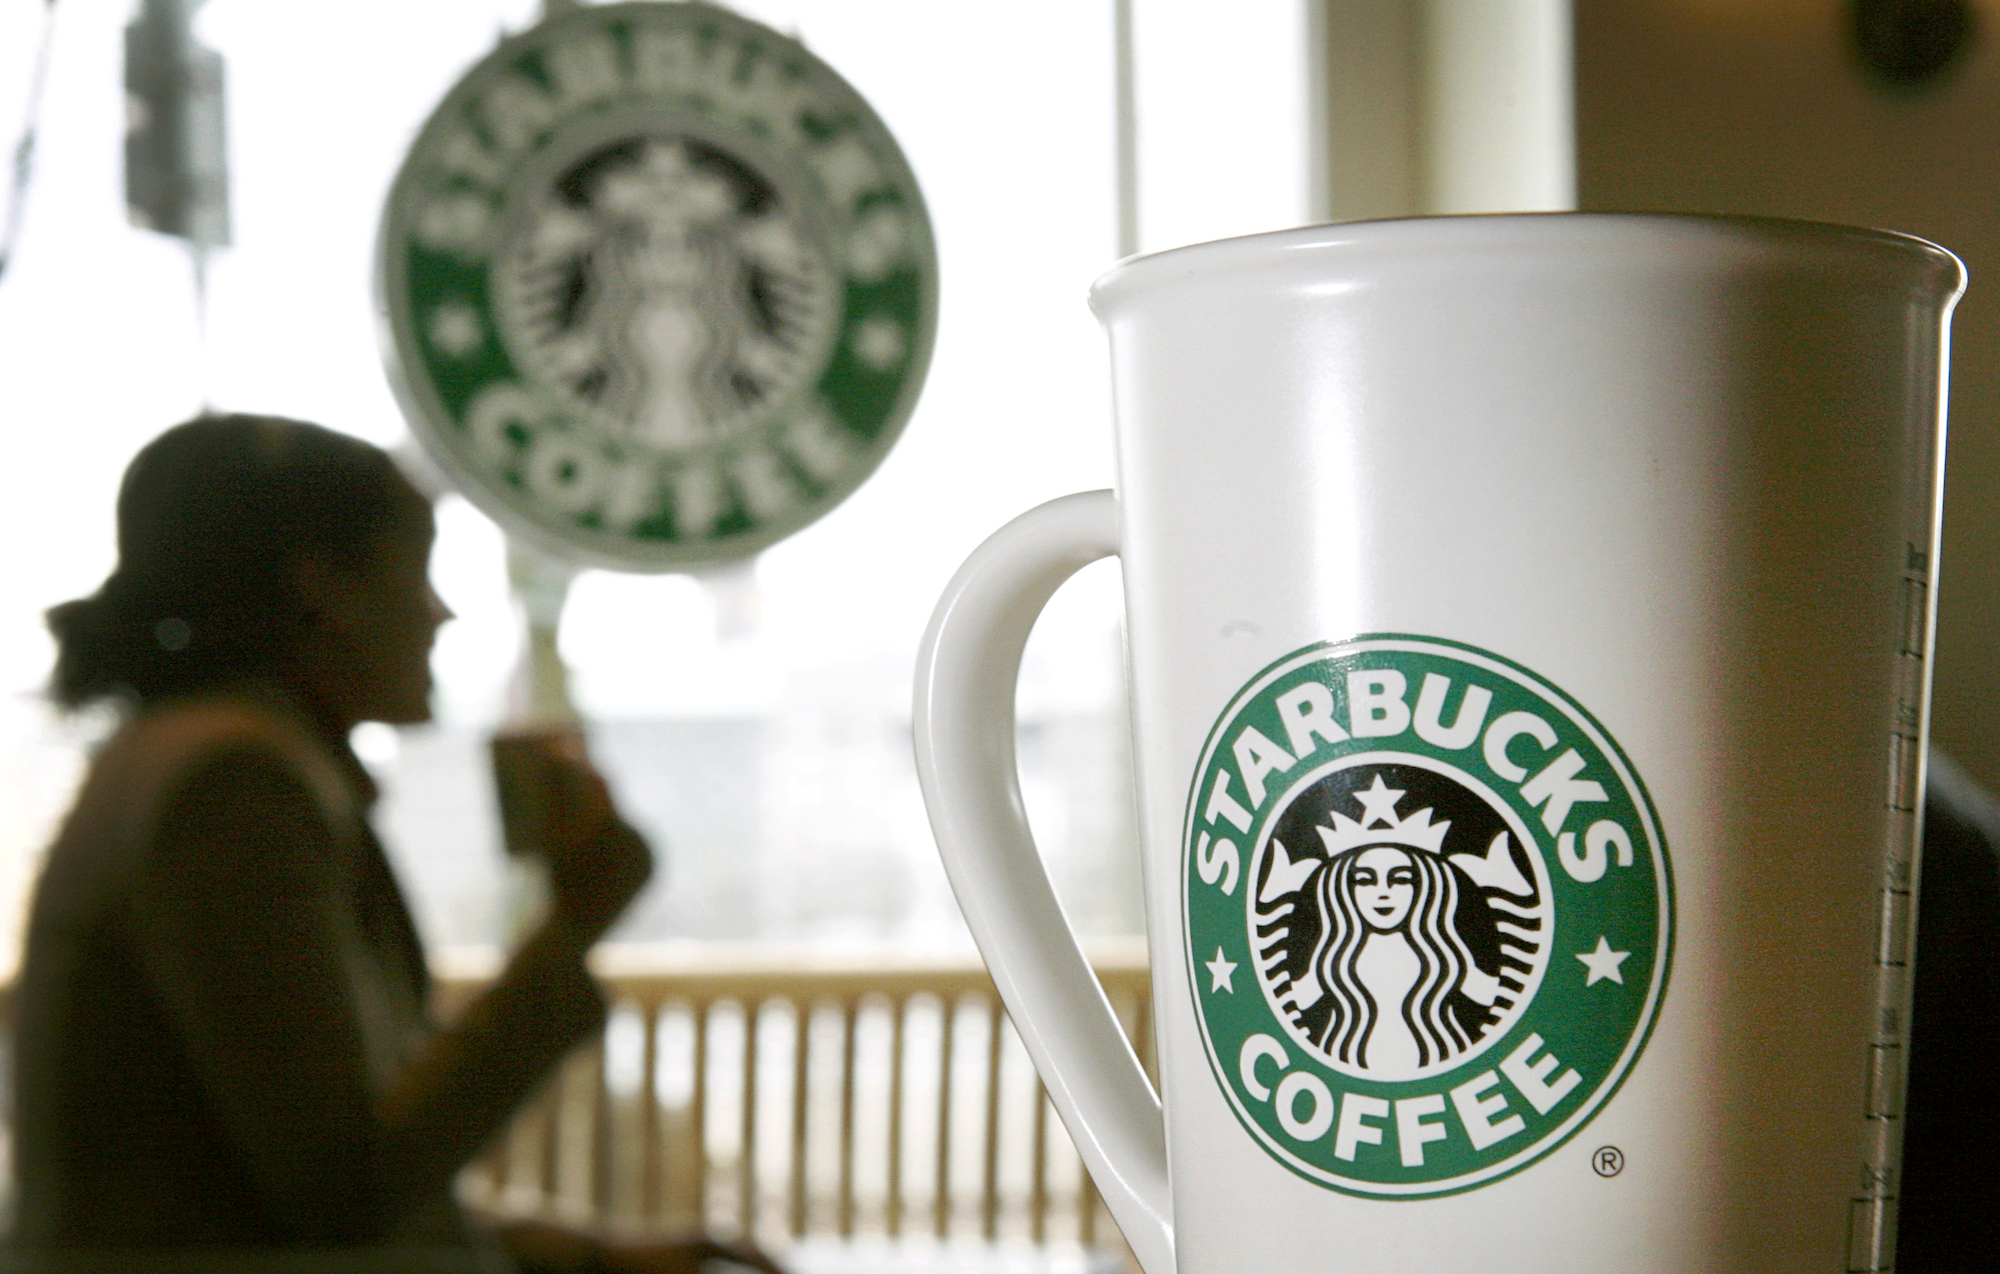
{"x": 660, "y": 288}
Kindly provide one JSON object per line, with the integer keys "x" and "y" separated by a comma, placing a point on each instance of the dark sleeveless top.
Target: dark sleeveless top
{"x": 222, "y": 1027}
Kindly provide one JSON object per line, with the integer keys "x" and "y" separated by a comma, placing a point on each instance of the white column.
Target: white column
{"x": 1445, "y": 106}
{"x": 1498, "y": 131}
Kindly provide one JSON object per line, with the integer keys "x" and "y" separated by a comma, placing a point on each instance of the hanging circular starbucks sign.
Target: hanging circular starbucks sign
{"x": 659, "y": 286}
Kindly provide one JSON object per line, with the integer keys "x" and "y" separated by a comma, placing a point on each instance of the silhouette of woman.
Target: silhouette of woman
{"x": 223, "y": 1036}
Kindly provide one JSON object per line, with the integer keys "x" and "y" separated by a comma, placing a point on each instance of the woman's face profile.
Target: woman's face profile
{"x": 1385, "y": 884}
{"x": 376, "y": 624}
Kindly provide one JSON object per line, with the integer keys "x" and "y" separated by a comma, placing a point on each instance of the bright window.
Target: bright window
{"x": 757, "y": 722}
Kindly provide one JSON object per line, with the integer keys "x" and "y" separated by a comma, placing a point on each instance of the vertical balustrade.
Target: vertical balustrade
{"x": 747, "y": 1157}
{"x": 697, "y": 1153}
{"x": 802, "y": 1015}
{"x": 850, "y": 1017}
{"x": 948, "y": 1035}
{"x": 898, "y": 1012}
{"x": 643, "y": 1153}
{"x": 989, "y": 1186}
{"x": 651, "y": 1182}
{"x": 1038, "y": 1170}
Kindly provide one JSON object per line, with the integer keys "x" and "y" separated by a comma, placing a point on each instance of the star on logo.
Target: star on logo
{"x": 1380, "y": 803}
{"x": 1603, "y": 963}
{"x": 1220, "y": 971}
{"x": 879, "y": 342}
{"x": 456, "y": 329}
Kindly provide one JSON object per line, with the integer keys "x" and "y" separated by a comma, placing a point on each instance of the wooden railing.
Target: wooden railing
{"x": 790, "y": 1098}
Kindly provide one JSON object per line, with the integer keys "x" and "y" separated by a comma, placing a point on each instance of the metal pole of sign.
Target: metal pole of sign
{"x": 538, "y": 703}
{"x": 540, "y": 695}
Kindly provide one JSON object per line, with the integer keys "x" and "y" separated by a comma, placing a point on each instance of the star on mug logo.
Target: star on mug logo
{"x": 1379, "y": 802}
{"x": 1220, "y": 971}
{"x": 1603, "y": 963}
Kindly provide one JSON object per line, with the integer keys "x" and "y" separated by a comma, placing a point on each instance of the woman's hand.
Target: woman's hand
{"x": 595, "y": 875}
{"x": 557, "y": 807}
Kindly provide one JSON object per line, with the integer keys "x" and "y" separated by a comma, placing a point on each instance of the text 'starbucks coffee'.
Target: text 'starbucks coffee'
{"x": 1528, "y": 623}
{"x": 1428, "y": 914}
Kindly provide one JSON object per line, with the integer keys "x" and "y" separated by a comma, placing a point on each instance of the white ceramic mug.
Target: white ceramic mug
{"x": 1527, "y": 622}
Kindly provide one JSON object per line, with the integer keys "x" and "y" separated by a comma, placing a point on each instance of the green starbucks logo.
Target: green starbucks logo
{"x": 1429, "y": 914}
{"x": 660, "y": 287}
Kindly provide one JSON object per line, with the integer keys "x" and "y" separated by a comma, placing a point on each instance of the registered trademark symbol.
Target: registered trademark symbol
{"x": 1609, "y": 1161}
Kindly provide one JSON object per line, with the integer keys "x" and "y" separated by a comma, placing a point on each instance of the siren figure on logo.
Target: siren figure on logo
{"x": 668, "y": 286}
{"x": 1390, "y": 985}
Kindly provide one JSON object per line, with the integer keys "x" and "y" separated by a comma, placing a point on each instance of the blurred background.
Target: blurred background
{"x": 755, "y": 720}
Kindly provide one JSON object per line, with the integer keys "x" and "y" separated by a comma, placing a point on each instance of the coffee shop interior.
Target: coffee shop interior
{"x": 803, "y": 1048}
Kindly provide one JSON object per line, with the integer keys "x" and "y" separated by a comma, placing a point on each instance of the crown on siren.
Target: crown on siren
{"x": 1380, "y": 825}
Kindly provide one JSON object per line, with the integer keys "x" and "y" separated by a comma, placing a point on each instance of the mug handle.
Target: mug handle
{"x": 964, "y": 719}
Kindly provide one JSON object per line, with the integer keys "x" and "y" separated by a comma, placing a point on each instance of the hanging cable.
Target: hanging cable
{"x": 24, "y": 150}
